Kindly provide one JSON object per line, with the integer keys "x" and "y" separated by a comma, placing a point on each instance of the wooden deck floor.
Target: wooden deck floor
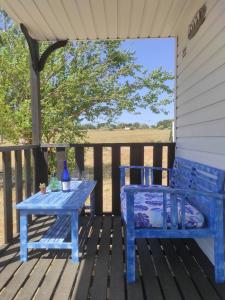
{"x": 167, "y": 269}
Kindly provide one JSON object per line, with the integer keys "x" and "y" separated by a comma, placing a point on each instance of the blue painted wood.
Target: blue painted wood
{"x": 49, "y": 245}
{"x": 74, "y": 236}
{"x": 66, "y": 206}
{"x": 164, "y": 211}
{"x": 198, "y": 184}
{"x": 23, "y": 236}
{"x": 183, "y": 221}
{"x": 219, "y": 242}
{"x": 169, "y": 233}
{"x": 60, "y": 200}
{"x": 130, "y": 238}
{"x": 147, "y": 176}
{"x": 174, "y": 208}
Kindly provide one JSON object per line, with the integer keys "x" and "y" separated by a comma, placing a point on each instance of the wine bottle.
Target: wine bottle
{"x": 65, "y": 178}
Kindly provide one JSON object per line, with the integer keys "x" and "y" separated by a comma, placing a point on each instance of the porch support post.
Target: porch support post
{"x": 35, "y": 98}
{"x": 37, "y": 64}
{"x": 35, "y": 86}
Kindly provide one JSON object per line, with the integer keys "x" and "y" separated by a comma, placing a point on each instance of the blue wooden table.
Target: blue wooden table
{"x": 66, "y": 206}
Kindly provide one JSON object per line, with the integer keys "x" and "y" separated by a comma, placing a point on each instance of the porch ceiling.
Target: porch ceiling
{"x": 100, "y": 19}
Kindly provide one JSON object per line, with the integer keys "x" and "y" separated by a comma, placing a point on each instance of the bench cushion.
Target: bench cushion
{"x": 148, "y": 210}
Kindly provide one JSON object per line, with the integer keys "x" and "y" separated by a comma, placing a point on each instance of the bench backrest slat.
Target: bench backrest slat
{"x": 181, "y": 175}
{"x": 197, "y": 176}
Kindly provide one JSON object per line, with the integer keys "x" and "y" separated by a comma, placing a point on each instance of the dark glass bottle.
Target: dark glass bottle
{"x": 65, "y": 178}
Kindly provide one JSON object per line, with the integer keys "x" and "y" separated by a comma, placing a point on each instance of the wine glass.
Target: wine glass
{"x": 76, "y": 175}
{"x": 84, "y": 175}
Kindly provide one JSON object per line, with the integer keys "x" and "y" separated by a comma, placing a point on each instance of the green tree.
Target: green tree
{"x": 164, "y": 124}
{"x": 83, "y": 81}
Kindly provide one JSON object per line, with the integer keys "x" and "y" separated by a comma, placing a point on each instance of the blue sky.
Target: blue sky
{"x": 151, "y": 53}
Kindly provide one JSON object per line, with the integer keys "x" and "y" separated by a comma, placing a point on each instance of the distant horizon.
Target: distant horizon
{"x": 127, "y": 122}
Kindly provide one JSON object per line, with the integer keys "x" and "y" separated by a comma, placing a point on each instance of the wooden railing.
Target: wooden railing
{"x": 22, "y": 168}
{"x": 137, "y": 157}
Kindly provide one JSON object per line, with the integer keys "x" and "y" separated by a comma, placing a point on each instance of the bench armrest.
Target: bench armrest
{"x": 169, "y": 190}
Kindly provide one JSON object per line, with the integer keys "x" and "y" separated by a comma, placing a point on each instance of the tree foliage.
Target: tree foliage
{"x": 164, "y": 124}
{"x": 83, "y": 81}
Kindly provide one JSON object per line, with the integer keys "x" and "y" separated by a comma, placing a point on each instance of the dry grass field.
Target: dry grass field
{"x": 128, "y": 136}
{"x": 103, "y": 136}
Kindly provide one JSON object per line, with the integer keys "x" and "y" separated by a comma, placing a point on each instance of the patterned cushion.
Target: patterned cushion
{"x": 148, "y": 210}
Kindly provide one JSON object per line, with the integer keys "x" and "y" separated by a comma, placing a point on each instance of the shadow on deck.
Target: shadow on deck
{"x": 167, "y": 269}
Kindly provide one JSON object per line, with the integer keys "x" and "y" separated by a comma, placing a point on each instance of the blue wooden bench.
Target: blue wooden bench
{"x": 189, "y": 182}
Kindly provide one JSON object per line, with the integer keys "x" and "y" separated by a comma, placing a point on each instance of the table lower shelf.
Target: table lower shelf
{"x": 49, "y": 245}
{"x": 58, "y": 235}
{"x": 58, "y": 232}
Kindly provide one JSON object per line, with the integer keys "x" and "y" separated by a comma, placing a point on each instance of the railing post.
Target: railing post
{"x": 116, "y": 179}
{"x": 157, "y": 162}
{"x": 136, "y": 159}
{"x": 7, "y": 196}
{"x": 19, "y": 183}
{"x": 79, "y": 157}
{"x": 40, "y": 167}
{"x": 170, "y": 158}
{"x": 27, "y": 166}
{"x": 98, "y": 172}
{"x": 60, "y": 157}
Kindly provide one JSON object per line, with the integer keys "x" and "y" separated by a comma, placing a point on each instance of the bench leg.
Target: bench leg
{"x": 130, "y": 257}
{"x": 219, "y": 257}
{"x": 74, "y": 236}
{"x": 219, "y": 242}
{"x": 23, "y": 236}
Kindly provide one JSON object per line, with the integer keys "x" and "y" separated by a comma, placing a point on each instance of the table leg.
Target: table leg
{"x": 74, "y": 236}
{"x": 23, "y": 236}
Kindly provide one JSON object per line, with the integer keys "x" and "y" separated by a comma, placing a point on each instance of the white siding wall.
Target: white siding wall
{"x": 200, "y": 105}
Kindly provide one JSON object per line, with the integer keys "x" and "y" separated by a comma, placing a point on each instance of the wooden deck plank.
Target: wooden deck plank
{"x": 9, "y": 271}
{"x": 150, "y": 280}
{"x": 65, "y": 285}
{"x": 168, "y": 284}
{"x": 160, "y": 273}
{"x": 206, "y": 265}
{"x": 18, "y": 279}
{"x": 14, "y": 263}
{"x": 85, "y": 224}
{"x": 99, "y": 288}
{"x": 183, "y": 279}
{"x": 202, "y": 283}
{"x": 117, "y": 285}
{"x": 135, "y": 290}
{"x": 34, "y": 280}
{"x": 10, "y": 252}
{"x": 81, "y": 287}
{"x": 52, "y": 277}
